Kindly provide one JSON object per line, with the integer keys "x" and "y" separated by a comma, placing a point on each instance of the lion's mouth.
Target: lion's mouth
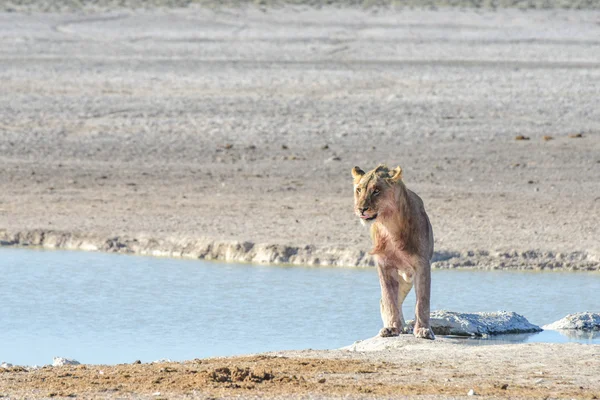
{"x": 367, "y": 218}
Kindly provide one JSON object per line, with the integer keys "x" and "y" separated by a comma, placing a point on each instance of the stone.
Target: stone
{"x": 162, "y": 361}
{"x": 471, "y": 393}
{"x": 5, "y": 365}
{"x": 60, "y": 361}
{"x": 444, "y": 322}
{"x": 582, "y": 321}
{"x": 479, "y": 324}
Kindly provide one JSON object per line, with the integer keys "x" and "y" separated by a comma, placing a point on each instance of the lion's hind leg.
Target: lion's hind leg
{"x": 423, "y": 293}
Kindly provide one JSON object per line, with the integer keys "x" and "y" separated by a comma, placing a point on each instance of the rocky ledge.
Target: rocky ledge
{"x": 444, "y": 323}
{"x": 479, "y": 324}
{"x": 265, "y": 253}
{"x": 582, "y": 321}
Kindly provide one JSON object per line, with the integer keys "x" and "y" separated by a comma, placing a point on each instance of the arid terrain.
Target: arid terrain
{"x": 230, "y": 133}
{"x": 414, "y": 369}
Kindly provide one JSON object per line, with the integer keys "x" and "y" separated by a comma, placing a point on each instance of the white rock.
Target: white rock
{"x": 5, "y": 365}
{"x": 162, "y": 360}
{"x": 471, "y": 393}
{"x": 479, "y": 324}
{"x": 60, "y": 361}
{"x": 583, "y": 321}
{"x": 451, "y": 323}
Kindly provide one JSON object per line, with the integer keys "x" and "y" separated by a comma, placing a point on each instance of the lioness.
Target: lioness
{"x": 402, "y": 245}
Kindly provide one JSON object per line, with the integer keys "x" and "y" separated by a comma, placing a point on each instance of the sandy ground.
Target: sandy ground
{"x": 175, "y": 129}
{"x": 414, "y": 369}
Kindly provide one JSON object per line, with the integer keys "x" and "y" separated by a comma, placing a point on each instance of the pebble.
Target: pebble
{"x": 334, "y": 158}
{"x": 60, "y": 361}
{"x": 471, "y": 393}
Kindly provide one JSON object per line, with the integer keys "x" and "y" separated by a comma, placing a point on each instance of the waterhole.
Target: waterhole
{"x": 107, "y": 309}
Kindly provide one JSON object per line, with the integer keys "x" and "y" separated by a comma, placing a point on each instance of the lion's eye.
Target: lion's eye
{"x": 376, "y": 192}
{"x": 357, "y": 190}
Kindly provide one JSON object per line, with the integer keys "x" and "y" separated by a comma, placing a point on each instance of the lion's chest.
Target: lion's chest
{"x": 390, "y": 253}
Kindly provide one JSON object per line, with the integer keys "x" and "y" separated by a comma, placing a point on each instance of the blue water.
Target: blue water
{"x": 108, "y": 309}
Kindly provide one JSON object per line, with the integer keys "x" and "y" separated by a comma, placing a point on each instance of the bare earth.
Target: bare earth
{"x": 230, "y": 133}
{"x": 418, "y": 369}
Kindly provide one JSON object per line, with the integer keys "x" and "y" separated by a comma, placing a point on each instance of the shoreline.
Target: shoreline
{"x": 364, "y": 347}
{"x": 159, "y": 150}
{"x": 278, "y": 254}
{"x": 413, "y": 368}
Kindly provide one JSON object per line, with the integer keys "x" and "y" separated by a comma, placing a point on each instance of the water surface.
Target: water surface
{"x": 106, "y": 308}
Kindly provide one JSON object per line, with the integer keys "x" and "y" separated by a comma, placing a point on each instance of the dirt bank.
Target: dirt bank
{"x": 420, "y": 369}
{"x": 264, "y": 253}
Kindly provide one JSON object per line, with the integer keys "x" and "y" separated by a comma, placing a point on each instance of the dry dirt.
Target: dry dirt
{"x": 418, "y": 370}
{"x": 229, "y": 133}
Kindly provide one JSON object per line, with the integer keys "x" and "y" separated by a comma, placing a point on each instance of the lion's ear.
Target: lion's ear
{"x": 381, "y": 167}
{"x": 396, "y": 174}
{"x": 357, "y": 173}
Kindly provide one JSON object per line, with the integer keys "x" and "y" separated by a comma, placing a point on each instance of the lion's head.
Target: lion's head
{"x": 374, "y": 192}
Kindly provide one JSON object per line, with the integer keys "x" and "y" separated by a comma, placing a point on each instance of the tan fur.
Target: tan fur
{"x": 402, "y": 245}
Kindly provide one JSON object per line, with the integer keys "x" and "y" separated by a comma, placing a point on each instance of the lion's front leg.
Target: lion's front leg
{"x": 404, "y": 288}
{"x": 423, "y": 293}
{"x": 390, "y": 315}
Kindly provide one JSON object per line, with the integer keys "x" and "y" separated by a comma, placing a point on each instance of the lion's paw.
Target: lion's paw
{"x": 389, "y": 331}
{"x": 424, "y": 333}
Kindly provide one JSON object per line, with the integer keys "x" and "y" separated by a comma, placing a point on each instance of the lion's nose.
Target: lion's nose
{"x": 362, "y": 210}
